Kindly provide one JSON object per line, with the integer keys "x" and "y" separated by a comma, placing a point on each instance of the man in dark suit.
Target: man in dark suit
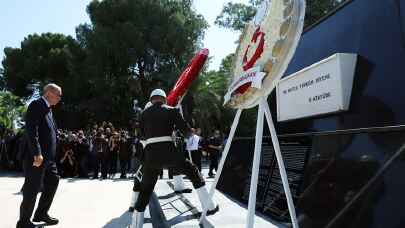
{"x": 39, "y": 159}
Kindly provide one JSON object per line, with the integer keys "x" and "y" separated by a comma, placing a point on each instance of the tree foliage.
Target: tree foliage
{"x": 130, "y": 47}
{"x": 209, "y": 112}
{"x": 47, "y": 58}
{"x": 134, "y": 46}
{"x": 11, "y": 110}
{"x": 235, "y": 15}
{"x": 41, "y": 59}
{"x": 2, "y": 80}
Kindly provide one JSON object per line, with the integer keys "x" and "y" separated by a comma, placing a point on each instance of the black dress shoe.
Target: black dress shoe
{"x": 26, "y": 225}
{"x": 186, "y": 190}
{"x": 213, "y": 211}
{"x": 46, "y": 219}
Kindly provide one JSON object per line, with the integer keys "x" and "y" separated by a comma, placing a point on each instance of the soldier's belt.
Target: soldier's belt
{"x": 157, "y": 140}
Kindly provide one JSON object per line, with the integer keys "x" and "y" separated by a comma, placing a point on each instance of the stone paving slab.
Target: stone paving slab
{"x": 82, "y": 203}
{"x": 230, "y": 215}
{"x": 78, "y": 203}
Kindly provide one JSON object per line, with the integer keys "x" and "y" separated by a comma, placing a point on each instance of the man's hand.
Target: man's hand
{"x": 38, "y": 160}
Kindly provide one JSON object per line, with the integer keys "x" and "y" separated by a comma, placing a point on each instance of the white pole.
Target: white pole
{"x": 280, "y": 162}
{"x": 255, "y": 168}
{"x": 223, "y": 158}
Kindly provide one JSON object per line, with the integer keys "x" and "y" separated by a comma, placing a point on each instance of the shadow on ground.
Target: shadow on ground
{"x": 123, "y": 221}
{"x": 4, "y": 173}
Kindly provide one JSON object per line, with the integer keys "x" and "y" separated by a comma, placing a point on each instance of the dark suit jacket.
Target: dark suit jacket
{"x": 40, "y": 131}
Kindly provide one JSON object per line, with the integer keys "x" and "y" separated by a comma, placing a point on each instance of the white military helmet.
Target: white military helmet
{"x": 158, "y": 92}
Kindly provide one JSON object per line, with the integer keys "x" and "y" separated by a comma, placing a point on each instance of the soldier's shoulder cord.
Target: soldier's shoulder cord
{"x": 167, "y": 107}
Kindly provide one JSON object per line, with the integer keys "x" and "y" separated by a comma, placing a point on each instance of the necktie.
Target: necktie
{"x": 51, "y": 117}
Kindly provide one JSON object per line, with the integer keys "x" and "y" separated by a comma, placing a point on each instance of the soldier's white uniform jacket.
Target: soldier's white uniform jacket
{"x": 159, "y": 121}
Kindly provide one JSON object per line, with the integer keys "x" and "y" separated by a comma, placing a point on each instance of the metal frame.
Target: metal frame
{"x": 264, "y": 111}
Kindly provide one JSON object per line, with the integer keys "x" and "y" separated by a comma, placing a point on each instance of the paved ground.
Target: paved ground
{"x": 83, "y": 203}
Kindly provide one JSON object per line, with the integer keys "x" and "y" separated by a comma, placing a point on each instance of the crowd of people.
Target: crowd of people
{"x": 103, "y": 150}
{"x": 99, "y": 150}
{"x": 11, "y": 147}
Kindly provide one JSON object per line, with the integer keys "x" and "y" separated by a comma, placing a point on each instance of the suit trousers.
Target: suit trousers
{"x": 45, "y": 175}
{"x": 101, "y": 164}
{"x": 196, "y": 158}
{"x": 213, "y": 162}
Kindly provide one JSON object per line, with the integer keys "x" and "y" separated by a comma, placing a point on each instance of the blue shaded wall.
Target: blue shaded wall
{"x": 353, "y": 171}
{"x": 375, "y": 30}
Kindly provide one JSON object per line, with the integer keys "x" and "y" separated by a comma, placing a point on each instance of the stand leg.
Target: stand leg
{"x": 280, "y": 163}
{"x": 223, "y": 158}
{"x": 255, "y": 168}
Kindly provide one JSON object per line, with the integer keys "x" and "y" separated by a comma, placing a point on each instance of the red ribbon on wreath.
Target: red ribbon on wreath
{"x": 249, "y": 63}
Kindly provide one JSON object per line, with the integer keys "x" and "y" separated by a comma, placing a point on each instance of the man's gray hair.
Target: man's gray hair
{"x": 53, "y": 87}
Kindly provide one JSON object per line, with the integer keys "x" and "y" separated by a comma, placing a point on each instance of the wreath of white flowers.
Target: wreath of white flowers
{"x": 267, "y": 43}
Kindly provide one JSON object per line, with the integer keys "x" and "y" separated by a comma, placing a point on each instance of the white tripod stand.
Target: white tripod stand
{"x": 263, "y": 110}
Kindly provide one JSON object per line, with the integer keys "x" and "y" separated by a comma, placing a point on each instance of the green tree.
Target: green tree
{"x": 134, "y": 46}
{"x": 2, "y": 81}
{"x": 47, "y": 58}
{"x": 130, "y": 47}
{"x": 41, "y": 59}
{"x": 235, "y": 15}
{"x": 209, "y": 112}
{"x": 11, "y": 110}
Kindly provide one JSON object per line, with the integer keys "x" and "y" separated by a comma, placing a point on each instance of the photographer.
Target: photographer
{"x": 60, "y": 149}
{"x": 82, "y": 154}
{"x": 7, "y": 146}
{"x": 100, "y": 144}
{"x": 68, "y": 162}
{"x": 113, "y": 145}
{"x": 214, "y": 149}
{"x": 3, "y": 153}
{"x": 124, "y": 153}
{"x": 91, "y": 158}
{"x": 73, "y": 142}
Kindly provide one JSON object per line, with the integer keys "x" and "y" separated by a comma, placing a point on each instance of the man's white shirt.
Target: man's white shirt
{"x": 46, "y": 102}
{"x": 192, "y": 142}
